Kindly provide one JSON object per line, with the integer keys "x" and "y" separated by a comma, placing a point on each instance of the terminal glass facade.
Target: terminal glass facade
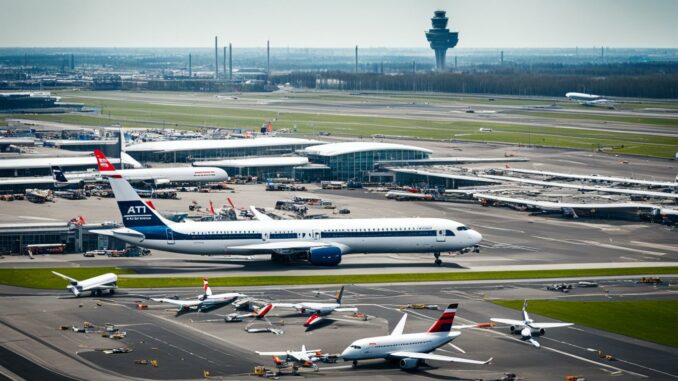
{"x": 356, "y": 165}
{"x": 188, "y": 156}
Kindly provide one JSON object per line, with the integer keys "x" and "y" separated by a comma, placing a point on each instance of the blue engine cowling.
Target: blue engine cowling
{"x": 324, "y": 256}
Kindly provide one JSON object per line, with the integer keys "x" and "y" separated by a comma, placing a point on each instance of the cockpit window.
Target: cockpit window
{"x": 449, "y": 233}
{"x": 356, "y": 347}
{"x": 461, "y": 228}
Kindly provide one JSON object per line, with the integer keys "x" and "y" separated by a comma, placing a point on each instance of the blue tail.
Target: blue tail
{"x": 135, "y": 212}
{"x": 58, "y": 174}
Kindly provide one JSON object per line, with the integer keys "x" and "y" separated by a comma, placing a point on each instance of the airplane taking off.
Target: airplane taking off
{"x": 94, "y": 285}
{"x": 411, "y": 349}
{"x": 589, "y": 99}
{"x": 318, "y": 310}
{"x": 321, "y": 242}
{"x": 527, "y": 328}
{"x": 204, "y": 302}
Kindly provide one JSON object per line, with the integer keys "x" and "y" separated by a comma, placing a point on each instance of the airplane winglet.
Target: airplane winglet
{"x": 489, "y": 360}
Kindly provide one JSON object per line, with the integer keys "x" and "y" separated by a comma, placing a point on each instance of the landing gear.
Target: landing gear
{"x": 355, "y": 363}
{"x": 476, "y": 249}
{"x": 111, "y": 291}
{"x": 437, "y": 261}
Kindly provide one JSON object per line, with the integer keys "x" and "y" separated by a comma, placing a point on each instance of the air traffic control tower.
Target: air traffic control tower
{"x": 441, "y": 38}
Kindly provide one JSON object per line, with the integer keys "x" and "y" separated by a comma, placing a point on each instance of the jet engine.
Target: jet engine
{"x": 325, "y": 256}
{"x": 408, "y": 363}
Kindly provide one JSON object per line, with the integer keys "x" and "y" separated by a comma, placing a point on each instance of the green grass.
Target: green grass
{"x": 650, "y": 320}
{"x": 598, "y": 117}
{"x": 149, "y": 114}
{"x": 42, "y": 278}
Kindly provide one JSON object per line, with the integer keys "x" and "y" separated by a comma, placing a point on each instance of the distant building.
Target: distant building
{"x": 186, "y": 151}
{"x": 441, "y": 38}
{"x": 355, "y": 160}
{"x": 33, "y": 101}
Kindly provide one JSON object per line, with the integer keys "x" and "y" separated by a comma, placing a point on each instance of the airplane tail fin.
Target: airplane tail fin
{"x": 212, "y": 213}
{"x": 206, "y": 287}
{"x": 262, "y": 312}
{"x": 135, "y": 212}
{"x": 58, "y": 174}
{"x": 526, "y": 317}
{"x": 444, "y": 322}
{"x": 340, "y": 293}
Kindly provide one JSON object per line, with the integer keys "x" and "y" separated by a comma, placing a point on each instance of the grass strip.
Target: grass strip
{"x": 650, "y": 320}
{"x": 42, "y": 278}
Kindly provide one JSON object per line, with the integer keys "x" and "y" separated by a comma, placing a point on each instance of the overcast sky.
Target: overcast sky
{"x": 337, "y": 23}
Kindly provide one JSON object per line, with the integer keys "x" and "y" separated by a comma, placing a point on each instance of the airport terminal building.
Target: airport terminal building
{"x": 354, "y": 160}
{"x": 187, "y": 151}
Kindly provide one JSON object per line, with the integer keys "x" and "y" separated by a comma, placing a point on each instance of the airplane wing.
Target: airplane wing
{"x": 286, "y": 305}
{"x": 508, "y": 321}
{"x": 279, "y": 246}
{"x": 550, "y": 325}
{"x": 181, "y": 303}
{"x": 346, "y": 309}
{"x": 271, "y": 353}
{"x": 119, "y": 232}
{"x": 400, "y": 327}
{"x": 258, "y": 215}
{"x": 430, "y": 356}
{"x": 65, "y": 277}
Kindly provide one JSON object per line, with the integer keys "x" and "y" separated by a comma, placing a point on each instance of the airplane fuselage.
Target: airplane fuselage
{"x": 383, "y": 346}
{"x": 378, "y": 235}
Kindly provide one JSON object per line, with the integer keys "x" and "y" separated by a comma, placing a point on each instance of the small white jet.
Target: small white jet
{"x": 94, "y": 285}
{"x": 204, "y": 302}
{"x": 412, "y": 349}
{"x": 318, "y": 310}
{"x": 256, "y": 314}
{"x": 305, "y": 357}
{"x": 527, "y": 328}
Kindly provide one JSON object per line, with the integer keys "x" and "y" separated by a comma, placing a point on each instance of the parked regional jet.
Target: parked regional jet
{"x": 321, "y": 242}
{"x": 411, "y": 349}
{"x": 318, "y": 310}
{"x": 163, "y": 175}
{"x": 94, "y": 285}
{"x": 589, "y": 99}
{"x": 527, "y": 328}
{"x": 204, "y": 302}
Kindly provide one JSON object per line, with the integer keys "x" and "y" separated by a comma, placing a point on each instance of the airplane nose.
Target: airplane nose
{"x": 346, "y": 353}
{"x": 475, "y": 237}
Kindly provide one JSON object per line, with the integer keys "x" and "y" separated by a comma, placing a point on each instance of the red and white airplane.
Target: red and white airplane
{"x": 256, "y": 314}
{"x": 318, "y": 310}
{"x": 412, "y": 348}
{"x": 203, "y": 302}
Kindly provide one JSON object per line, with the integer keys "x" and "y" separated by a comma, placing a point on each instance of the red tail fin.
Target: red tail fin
{"x": 444, "y": 322}
{"x": 150, "y": 203}
{"x": 102, "y": 162}
{"x": 230, "y": 202}
{"x": 262, "y": 312}
{"x": 212, "y": 208}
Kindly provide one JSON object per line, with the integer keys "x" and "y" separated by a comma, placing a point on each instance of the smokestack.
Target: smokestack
{"x": 382, "y": 67}
{"x": 230, "y": 61}
{"x": 502, "y": 57}
{"x": 190, "y": 67}
{"x": 455, "y": 62}
{"x": 72, "y": 62}
{"x": 356, "y": 58}
{"x": 224, "y": 72}
{"x": 268, "y": 57}
{"x": 414, "y": 67}
{"x": 216, "y": 58}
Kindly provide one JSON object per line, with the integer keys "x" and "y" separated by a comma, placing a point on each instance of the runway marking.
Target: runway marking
{"x": 610, "y": 246}
{"x": 655, "y": 245}
{"x": 38, "y": 218}
{"x": 496, "y": 228}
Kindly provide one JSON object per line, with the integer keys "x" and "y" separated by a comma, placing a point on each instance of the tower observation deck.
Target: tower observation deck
{"x": 441, "y": 38}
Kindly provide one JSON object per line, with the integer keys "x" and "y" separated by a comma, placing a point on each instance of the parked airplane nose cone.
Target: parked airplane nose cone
{"x": 475, "y": 237}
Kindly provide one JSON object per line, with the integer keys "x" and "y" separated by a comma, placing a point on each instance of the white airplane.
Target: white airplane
{"x": 203, "y": 302}
{"x": 94, "y": 285}
{"x": 163, "y": 175}
{"x": 411, "y": 349}
{"x": 317, "y": 310}
{"x": 322, "y": 242}
{"x": 589, "y": 99}
{"x": 305, "y": 357}
{"x": 527, "y": 328}
{"x": 256, "y": 314}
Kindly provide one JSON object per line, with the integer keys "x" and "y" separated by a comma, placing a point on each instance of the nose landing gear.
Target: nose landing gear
{"x": 437, "y": 261}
